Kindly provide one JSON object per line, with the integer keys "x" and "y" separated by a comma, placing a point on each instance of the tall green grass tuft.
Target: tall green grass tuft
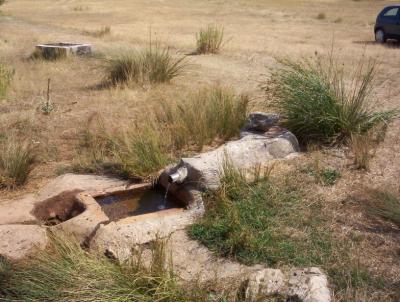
{"x": 142, "y": 151}
{"x": 6, "y": 76}
{"x": 152, "y": 65}
{"x": 213, "y": 112}
{"x": 209, "y": 39}
{"x": 139, "y": 150}
{"x": 65, "y": 272}
{"x": 320, "y": 104}
{"x": 16, "y": 162}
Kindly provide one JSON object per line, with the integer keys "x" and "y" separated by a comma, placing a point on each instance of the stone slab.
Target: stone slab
{"x": 18, "y": 241}
{"x": 17, "y": 211}
{"x": 71, "y": 182}
{"x": 246, "y": 153}
{"x": 118, "y": 238}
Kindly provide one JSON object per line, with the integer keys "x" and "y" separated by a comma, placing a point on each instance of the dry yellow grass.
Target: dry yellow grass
{"x": 256, "y": 31}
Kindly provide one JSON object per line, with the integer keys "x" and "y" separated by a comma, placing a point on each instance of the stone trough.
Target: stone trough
{"x": 143, "y": 210}
{"x": 114, "y": 217}
{"x": 53, "y": 51}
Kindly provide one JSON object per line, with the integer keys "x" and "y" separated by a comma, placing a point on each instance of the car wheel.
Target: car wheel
{"x": 380, "y": 36}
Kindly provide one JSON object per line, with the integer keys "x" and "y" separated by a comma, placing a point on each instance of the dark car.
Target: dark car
{"x": 387, "y": 24}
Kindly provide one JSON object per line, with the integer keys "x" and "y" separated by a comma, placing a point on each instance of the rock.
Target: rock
{"x": 84, "y": 225}
{"x": 308, "y": 285}
{"x": 117, "y": 238}
{"x": 260, "y": 121}
{"x": 246, "y": 153}
{"x": 263, "y": 284}
{"x": 193, "y": 261}
{"x": 18, "y": 241}
{"x": 70, "y": 182}
{"x": 17, "y": 211}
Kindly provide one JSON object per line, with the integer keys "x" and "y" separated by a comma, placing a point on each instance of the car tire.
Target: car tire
{"x": 380, "y": 36}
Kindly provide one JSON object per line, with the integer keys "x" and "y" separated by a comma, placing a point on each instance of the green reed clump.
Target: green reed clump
{"x": 209, "y": 39}
{"x": 16, "y": 162}
{"x": 320, "y": 104}
{"x": 154, "y": 64}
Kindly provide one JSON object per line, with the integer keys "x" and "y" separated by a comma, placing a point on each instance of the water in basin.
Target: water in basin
{"x": 118, "y": 206}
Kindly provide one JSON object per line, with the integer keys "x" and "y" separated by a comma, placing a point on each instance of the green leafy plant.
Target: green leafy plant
{"x": 318, "y": 105}
{"x": 326, "y": 176}
{"x": 47, "y": 106}
{"x": 209, "y": 39}
{"x": 330, "y": 176}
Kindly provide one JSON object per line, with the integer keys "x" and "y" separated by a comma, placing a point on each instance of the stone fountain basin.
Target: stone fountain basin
{"x": 96, "y": 218}
{"x": 117, "y": 238}
{"x": 62, "y": 49}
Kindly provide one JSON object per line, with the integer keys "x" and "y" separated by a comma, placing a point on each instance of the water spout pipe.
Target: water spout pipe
{"x": 179, "y": 176}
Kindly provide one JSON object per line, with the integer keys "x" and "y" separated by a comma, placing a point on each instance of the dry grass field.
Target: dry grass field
{"x": 256, "y": 33}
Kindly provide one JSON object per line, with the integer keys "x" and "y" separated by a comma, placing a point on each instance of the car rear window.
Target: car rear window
{"x": 391, "y": 12}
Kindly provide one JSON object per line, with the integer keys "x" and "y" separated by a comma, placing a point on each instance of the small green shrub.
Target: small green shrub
{"x": 6, "y": 76}
{"x": 65, "y": 272}
{"x": 209, "y": 39}
{"x": 321, "y": 16}
{"x": 323, "y": 175}
{"x": 16, "y": 162}
{"x": 2, "y": 2}
{"x": 318, "y": 106}
{"x": 330, "y": 176}
{"x": 152, "y": 65}
{"x": 47, "y": 106}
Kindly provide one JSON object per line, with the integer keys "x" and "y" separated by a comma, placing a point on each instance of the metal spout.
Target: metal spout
{"x": 179, "y": 176}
